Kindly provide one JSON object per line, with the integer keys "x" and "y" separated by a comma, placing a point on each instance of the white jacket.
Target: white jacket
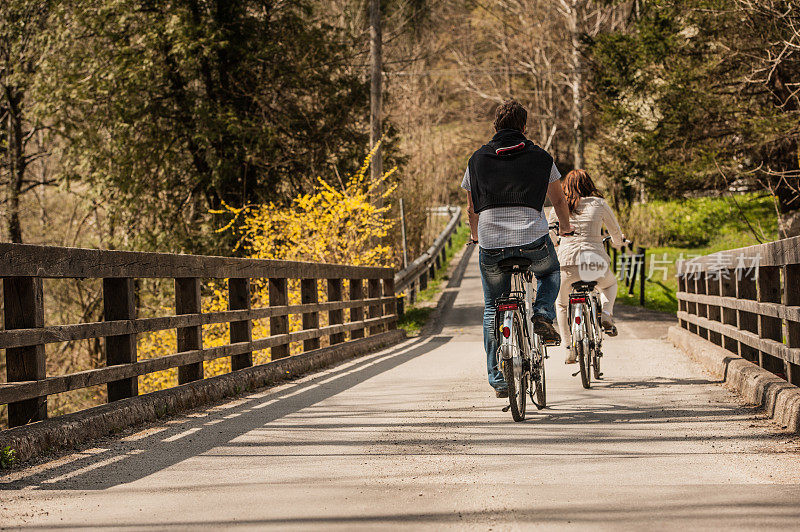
{"x": 587, "y": 221}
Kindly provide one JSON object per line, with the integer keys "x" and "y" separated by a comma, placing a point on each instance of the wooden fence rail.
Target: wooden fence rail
{"x": 415, "y": 276}
{"x": 23, "y": 268}
{"x": 748, "y": 301}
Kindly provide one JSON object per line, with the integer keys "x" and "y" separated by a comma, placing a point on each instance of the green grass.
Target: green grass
{"x": 416, "y": 316}
{"x": 8, "y": 457}
{"x": 414, "y": 320}
{"x": 727, "y": 230}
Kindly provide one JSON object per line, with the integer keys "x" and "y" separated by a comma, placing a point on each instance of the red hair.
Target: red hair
{"x": 578, "y": 185}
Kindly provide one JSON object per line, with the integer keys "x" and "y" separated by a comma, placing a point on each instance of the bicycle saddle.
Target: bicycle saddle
{"x": 584, "y": 286}
{"x": 514, "y": 264}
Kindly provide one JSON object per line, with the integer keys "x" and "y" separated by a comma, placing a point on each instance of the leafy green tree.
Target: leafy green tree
{"x": 689, "y": 98}
{"x": 21, "y": 26}
{"x": 168, "y": 108}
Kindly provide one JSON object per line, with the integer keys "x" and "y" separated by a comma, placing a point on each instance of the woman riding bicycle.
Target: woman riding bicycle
{"x": 583, "y": 256}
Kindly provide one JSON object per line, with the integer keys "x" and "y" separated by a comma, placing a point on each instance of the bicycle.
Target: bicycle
{"x": 521, "y": 353}
{"x": 587, "y": 334}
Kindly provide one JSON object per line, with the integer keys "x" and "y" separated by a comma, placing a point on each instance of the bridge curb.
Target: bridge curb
{"x": 71, "y": 430}
{"x": 779, "y": 399}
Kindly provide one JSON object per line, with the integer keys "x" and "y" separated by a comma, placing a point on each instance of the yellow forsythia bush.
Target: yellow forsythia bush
{"x": 342, "y": 225}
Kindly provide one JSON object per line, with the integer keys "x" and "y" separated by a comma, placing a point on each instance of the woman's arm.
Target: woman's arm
{"x": 611, "y": 223}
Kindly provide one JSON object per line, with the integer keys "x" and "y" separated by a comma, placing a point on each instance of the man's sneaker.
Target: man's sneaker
{"x": 607, "y": 322}
{"x": 544, "y": 328}
{"x": 501, "y": 394}
{"x": 571, "y": 358}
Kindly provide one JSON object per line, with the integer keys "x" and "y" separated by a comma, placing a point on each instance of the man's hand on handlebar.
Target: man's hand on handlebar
{"x": 555, "y": 227}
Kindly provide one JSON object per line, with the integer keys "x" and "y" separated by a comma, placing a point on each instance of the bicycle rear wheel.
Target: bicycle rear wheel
{"x": 583, "y": 354}
{"x": 516, "y": 379}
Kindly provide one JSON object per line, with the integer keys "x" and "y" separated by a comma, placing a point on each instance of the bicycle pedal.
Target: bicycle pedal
{"x": 506, "y": 408}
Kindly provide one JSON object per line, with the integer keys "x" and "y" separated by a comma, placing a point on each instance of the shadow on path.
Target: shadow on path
{"x": 130, "y": 461}
{"x": 678, "y": 506}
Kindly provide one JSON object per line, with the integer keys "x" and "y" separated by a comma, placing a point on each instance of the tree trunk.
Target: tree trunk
{"x": 575, "y": 14}
{"x": 376, "y": 95}
{"x": 788, "y": 194}
{"x": 16, "y": 164}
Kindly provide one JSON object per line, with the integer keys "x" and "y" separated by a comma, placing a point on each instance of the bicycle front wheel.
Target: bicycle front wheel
{"x": 541, "y": 385}
{"x": 596, "y": 366}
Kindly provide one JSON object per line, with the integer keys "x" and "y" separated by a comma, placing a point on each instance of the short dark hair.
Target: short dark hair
{"x": 510, "y": 115}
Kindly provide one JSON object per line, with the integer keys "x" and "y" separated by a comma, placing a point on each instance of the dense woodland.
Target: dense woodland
{"x": 190, "y": 125}
{"x": 124, "y": 124}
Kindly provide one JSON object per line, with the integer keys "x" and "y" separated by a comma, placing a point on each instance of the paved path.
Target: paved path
{"x": 412, "y": 438}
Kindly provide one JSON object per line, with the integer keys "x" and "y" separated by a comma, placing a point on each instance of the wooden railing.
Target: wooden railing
{"x": 630, "y": 265}
{"x": 23, "y": 267}
{"x": 415, "y": 276}
{"x": 747, "y": 301}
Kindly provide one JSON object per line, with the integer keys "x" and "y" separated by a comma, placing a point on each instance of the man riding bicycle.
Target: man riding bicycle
{"x": 506, "y": 182}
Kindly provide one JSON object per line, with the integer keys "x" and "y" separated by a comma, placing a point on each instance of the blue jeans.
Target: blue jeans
{"x": 547, "y": 271}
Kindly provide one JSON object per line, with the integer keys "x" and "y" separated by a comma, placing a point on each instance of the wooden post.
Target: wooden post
{"x": 308, "y": 294}
{"x": 702, "y": 309}
{"x": 614, "y": 259}
{"x": 423, "y": 280}
{"x": 375, "y": 310}
{"x": 432, "y": 268}
{"x": 714, "y": 312}
{"x": 682, "y": 307}
{"x": 240, "y": 331}
{"x": 391, "y": 307}
{"x": 691, "y": 307}
{"x": 727, "y": 286}
{"x": 356, "y": 314}
{"x": 119, "y": 303}
{"x": 634, "y": 269}
{"x": 187, "y": 301}
{"x": 791, "y": 297}
{"x": 335, "y": 317}
{"x": 642, "y": 269}
{"x": 769, "y": 291}
{"x": 746, "y": 321}
{"x": 624, "y": 262}
{"x": 23, "y": 305}
{"x": 279, "y": 296}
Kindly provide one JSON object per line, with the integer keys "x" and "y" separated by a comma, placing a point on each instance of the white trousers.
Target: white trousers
{"x": 606, "y": 285}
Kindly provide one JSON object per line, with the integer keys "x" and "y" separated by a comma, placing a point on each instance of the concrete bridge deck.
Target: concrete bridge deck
{"x": 412, "y": 437}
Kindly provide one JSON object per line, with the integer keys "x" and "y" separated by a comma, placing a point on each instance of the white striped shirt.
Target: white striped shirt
{"x": 502, "y": 227}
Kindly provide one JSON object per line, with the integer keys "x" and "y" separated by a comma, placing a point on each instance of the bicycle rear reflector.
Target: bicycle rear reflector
{"x": 506, "y": 332}
{"x": 507, "y": 306}
{"x": 577, "y": 300}
{"x": 577, "y": 320}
